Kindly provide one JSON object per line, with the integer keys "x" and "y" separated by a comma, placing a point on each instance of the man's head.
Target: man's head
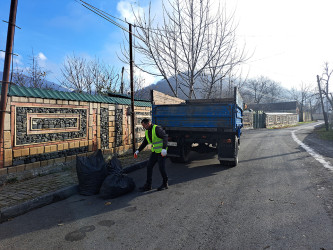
{"x": 146, "y": 123}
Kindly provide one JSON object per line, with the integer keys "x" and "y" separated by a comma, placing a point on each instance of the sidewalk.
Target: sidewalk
{"x": 20, "y": 197}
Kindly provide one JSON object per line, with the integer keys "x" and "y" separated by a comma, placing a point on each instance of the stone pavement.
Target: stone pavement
{"x": 22, "y": 196}
{"x": 16, "y": 193}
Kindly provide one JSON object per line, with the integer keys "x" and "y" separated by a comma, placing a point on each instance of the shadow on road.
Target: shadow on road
{"x": 275, "y": 156}
{"x": 78, "y": 207}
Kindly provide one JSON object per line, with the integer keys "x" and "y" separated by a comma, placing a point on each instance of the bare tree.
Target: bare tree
{"x": 274, "y": 92}
{"x": 92, "y": 76}
{"x": 140, "y": 91}
{"x": 323, "y": 87}
{"x": 19, "y": 78}
{"x": 103, "y": 77}
{"x": 325, "y": 80}
{"x": 301, "y": 95}
{"x": 313, "y": 102}
{"x": 261, "y": 90}
{"x": 36, "y": 73}
{"x": 32, "y": 76}
{"x": 227, "y": 56}
{"x": 74, "y": 72}
{"x": 257, "y": 89}
{"x": 190, "y": 43}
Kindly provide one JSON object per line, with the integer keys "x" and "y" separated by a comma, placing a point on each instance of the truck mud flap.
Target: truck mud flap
{"x": 228, "y": 151}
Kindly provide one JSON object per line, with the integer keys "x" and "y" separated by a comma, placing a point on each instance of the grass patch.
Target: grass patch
{"x": 282, "y": 126}
{"x": 323, "y": 134}
{"x": 12, "y": 180}
{"x": 300, "y": 123}
{"x": 289, "y": 125}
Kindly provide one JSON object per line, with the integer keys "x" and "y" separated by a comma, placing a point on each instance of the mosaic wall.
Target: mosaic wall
{"x": 39, "y": 131}
{"x": 48, "y": 156}
{"x": 119, "y": 127}
{"x": 38, "y": 125}
{"x": 105, "y": 128}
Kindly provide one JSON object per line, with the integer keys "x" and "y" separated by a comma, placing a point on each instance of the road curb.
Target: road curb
{"x": 46, "y": 199}
{"x": 135, "y": 167}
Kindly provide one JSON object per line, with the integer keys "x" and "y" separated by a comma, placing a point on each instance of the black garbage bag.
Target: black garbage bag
{"x": 114, "y": 167}
{"x": 91, "y": 172}
{"x": 116, "y": 183}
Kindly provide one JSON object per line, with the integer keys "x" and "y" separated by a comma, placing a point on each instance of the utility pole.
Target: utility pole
{"x": 122, "y": 81}
{"x": 132, "y": 86}
{"x": 6, "y": 72}
{"x": 322, "y": 104}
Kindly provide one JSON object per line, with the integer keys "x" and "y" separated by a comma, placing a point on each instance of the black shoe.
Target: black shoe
{"x": 163, "y": 186}
{"x": 145, "y": 188}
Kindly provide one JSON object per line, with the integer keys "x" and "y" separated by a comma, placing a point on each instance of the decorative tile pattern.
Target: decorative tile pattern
{"x": 105, "y": 128}
{"x": 54, "y": 124}
{"x": 119, "y": 127}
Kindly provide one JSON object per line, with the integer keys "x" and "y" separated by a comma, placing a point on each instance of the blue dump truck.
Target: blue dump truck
{"x": 200, "y": 124}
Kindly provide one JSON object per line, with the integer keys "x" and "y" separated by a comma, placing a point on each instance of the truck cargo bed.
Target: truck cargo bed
{"x": 198, "y": 115}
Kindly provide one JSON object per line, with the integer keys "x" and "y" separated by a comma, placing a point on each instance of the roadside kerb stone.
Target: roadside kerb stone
{"x": 7, "y": 213}
{"x": 11, "y": 212}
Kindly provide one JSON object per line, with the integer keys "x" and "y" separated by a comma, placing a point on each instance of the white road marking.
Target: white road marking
{"x": 315, "y": 155}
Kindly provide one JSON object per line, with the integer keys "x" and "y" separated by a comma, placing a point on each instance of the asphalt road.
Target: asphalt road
{"x": 278, "y": 197}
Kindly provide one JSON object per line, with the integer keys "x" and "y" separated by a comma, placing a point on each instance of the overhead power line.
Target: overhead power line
{"x": 104, "y": 16}
{"x": 108, "y": 17}
{"x": 108, "y": 14}
{"x": 129, "y": 31}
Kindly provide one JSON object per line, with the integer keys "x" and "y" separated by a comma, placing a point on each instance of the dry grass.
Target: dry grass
{"x": 323, "y": 134}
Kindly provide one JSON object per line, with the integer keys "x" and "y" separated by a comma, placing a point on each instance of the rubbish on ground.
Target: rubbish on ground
{"x": 91, "y": 172}
{"x": 116, "y": 183}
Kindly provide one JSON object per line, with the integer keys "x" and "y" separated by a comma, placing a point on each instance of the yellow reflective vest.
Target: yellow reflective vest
{"x": 156, "y": 141}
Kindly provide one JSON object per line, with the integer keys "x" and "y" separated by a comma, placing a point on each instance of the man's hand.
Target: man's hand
{"x": 136, "y": 154}
{"x": 164, "y": 152}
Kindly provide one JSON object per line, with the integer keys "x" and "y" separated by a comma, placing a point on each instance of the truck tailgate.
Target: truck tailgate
{"x": 195, "y": 115}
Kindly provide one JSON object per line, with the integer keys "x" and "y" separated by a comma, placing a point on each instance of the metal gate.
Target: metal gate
{"x": 259, "y": 119}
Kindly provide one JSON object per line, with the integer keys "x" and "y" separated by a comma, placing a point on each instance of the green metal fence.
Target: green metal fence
{"x": 259, "y": 119}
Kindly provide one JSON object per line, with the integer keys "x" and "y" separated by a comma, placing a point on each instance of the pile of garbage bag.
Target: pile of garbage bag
{"x": 106, "y": 178}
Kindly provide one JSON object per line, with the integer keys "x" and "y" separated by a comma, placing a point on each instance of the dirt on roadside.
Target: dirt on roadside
{"x": 323, "y": 147}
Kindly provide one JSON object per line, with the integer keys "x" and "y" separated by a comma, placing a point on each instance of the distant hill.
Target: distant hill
{"x": 53, "y": 85}
{"x": 162, "y": 86}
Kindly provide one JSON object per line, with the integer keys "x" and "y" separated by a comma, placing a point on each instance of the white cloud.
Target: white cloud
{"x": 41, "y": 56}
{"x": 147, "y": 78}
{"x": 126, "y": 9}
{"x": 17, "y": 59}
{"x": 144, "y": 78}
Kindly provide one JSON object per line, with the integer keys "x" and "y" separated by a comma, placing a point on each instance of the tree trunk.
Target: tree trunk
{"x": 322, "y": 104}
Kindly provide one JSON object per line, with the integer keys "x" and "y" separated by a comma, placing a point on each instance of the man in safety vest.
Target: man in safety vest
{"x": 156, "y": 136}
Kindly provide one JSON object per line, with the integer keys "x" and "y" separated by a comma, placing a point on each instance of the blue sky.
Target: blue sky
{"x": 57, "y": 28}
{"x": 290, "y": 39}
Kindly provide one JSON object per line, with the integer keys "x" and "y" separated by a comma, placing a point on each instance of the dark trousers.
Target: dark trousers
{"x": 156, "y": 157}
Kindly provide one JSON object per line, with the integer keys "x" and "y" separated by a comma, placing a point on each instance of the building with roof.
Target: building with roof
{"x": 282, "y": 107}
